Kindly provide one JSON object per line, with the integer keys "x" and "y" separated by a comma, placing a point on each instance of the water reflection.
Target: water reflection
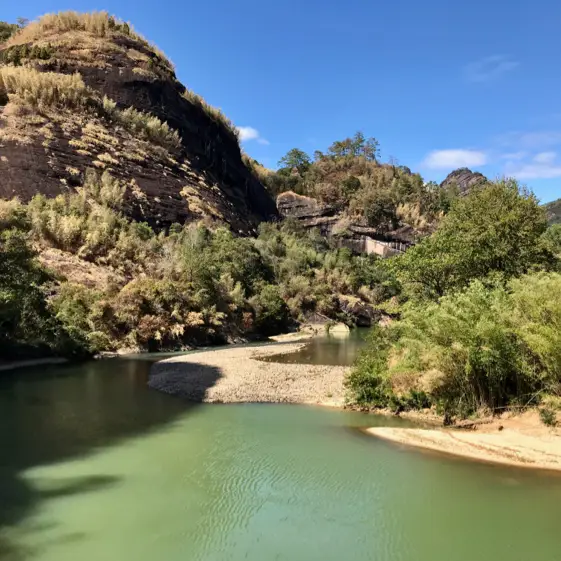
{"x": 337, "y": 348}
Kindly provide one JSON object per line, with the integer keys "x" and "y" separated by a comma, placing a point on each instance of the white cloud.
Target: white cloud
{"x": 514, "y": 155}
{"x": 249, "y": 133}
{"x": 543, "y": 165}
{"x": 536, "y": 171}
{"x": 529, "y": 140}
{"x": 545, "y": 157}
{"x": 449, "y": 159}
{"x": 489, "y": 68}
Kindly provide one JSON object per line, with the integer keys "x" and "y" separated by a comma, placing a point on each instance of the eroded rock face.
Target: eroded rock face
{"x": 311, "y": 213}
{"x": 307, "y": 210}
{"x": 464, "y": 179}
{"x": 204, "y": 177}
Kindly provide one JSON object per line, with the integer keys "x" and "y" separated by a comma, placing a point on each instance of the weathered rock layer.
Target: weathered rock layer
{"x": 311, "y": 213}
{"x": 47, "y": 151}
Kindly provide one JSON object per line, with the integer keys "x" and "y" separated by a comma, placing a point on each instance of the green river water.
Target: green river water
{"x": 94, "y": 466}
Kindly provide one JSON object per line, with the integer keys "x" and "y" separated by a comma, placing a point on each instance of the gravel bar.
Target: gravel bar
{"x": 236, "y": 374}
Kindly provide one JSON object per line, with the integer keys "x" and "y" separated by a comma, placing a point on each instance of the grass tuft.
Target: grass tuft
{"x": 44, "y": 89}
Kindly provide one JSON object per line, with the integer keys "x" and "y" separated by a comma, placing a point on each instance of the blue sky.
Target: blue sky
{"x": 441, "y": 84}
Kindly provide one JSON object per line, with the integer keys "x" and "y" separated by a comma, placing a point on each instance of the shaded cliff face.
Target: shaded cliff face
{"x": 46, "y": 145}
{"x": 464, "y": 179}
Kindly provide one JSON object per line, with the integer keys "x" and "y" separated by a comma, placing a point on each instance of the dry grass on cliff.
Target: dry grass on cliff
{"x": 44, "y": 89}
{"x": 143, "y": 124}
{"x": 47, "y": 90}
{"x": 260, "y": 172}
{"x": 100, "y": 24}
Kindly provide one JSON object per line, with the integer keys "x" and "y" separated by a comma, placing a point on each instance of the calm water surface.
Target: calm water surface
{"x": 94, "y": 466}
{"x": 333, "y": 349}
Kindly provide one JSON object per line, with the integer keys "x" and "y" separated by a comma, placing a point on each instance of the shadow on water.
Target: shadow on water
{"x": 53, "y": 414}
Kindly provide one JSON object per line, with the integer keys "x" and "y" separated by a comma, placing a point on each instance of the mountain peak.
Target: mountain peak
{"x": 465, "y": 179}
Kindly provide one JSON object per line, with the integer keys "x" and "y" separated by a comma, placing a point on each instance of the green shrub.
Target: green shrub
{"x": 18, "y": 53}
{"x": 190, "y": 284}
{"x": 495, "y": 230}
{"x": 74, "y": 306}
{"x": 480, "y": 348}
{"x": 7, "y": 30}
{"x": 548, "y": 417}
{"x": 368, "y": 383}
{"x": 552, "y": 239}
{"x": 27, "y": 325}
{"x": 271, "y": 311}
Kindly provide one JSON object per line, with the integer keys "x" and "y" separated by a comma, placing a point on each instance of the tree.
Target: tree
{"x": 358, "y": 145}
{"x": 271, "y": 312}
{"x": 495, "y": 230}
{"x": 350, "y": 185}
{"x": 7, "y": 30}
{"x": 27, "y": 324}
{"x": 552, "y": 238}
{"x": 341, "y": 148}
{"x": 295, "y": 158}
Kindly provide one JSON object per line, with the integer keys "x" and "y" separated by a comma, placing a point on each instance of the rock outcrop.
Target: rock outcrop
{"x": 46, "y": 143}
{"x": 309, "y": 212}
{"x": 464, "y": 179}
{"x": 361, "y": 313}
{"x": 312, "y": 214}
{"x": 553, "y": 212}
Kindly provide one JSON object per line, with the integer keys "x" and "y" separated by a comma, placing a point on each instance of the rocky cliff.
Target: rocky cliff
{"x": 311, "y": 213}
{"x": 464, "y": 179}
{"x": 81, "y": 91}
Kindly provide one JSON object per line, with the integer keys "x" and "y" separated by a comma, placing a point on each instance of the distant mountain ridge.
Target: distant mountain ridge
{"x": 553, "y": 210}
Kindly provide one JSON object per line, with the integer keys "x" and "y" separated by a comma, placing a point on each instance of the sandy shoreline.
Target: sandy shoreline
{"x": 233, "y": 375}
{"x": 516, "y": 441}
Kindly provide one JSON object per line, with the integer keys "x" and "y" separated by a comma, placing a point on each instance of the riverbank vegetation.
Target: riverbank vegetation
{"x": 480, "y": 322}
{"x": 161, "y": 290}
